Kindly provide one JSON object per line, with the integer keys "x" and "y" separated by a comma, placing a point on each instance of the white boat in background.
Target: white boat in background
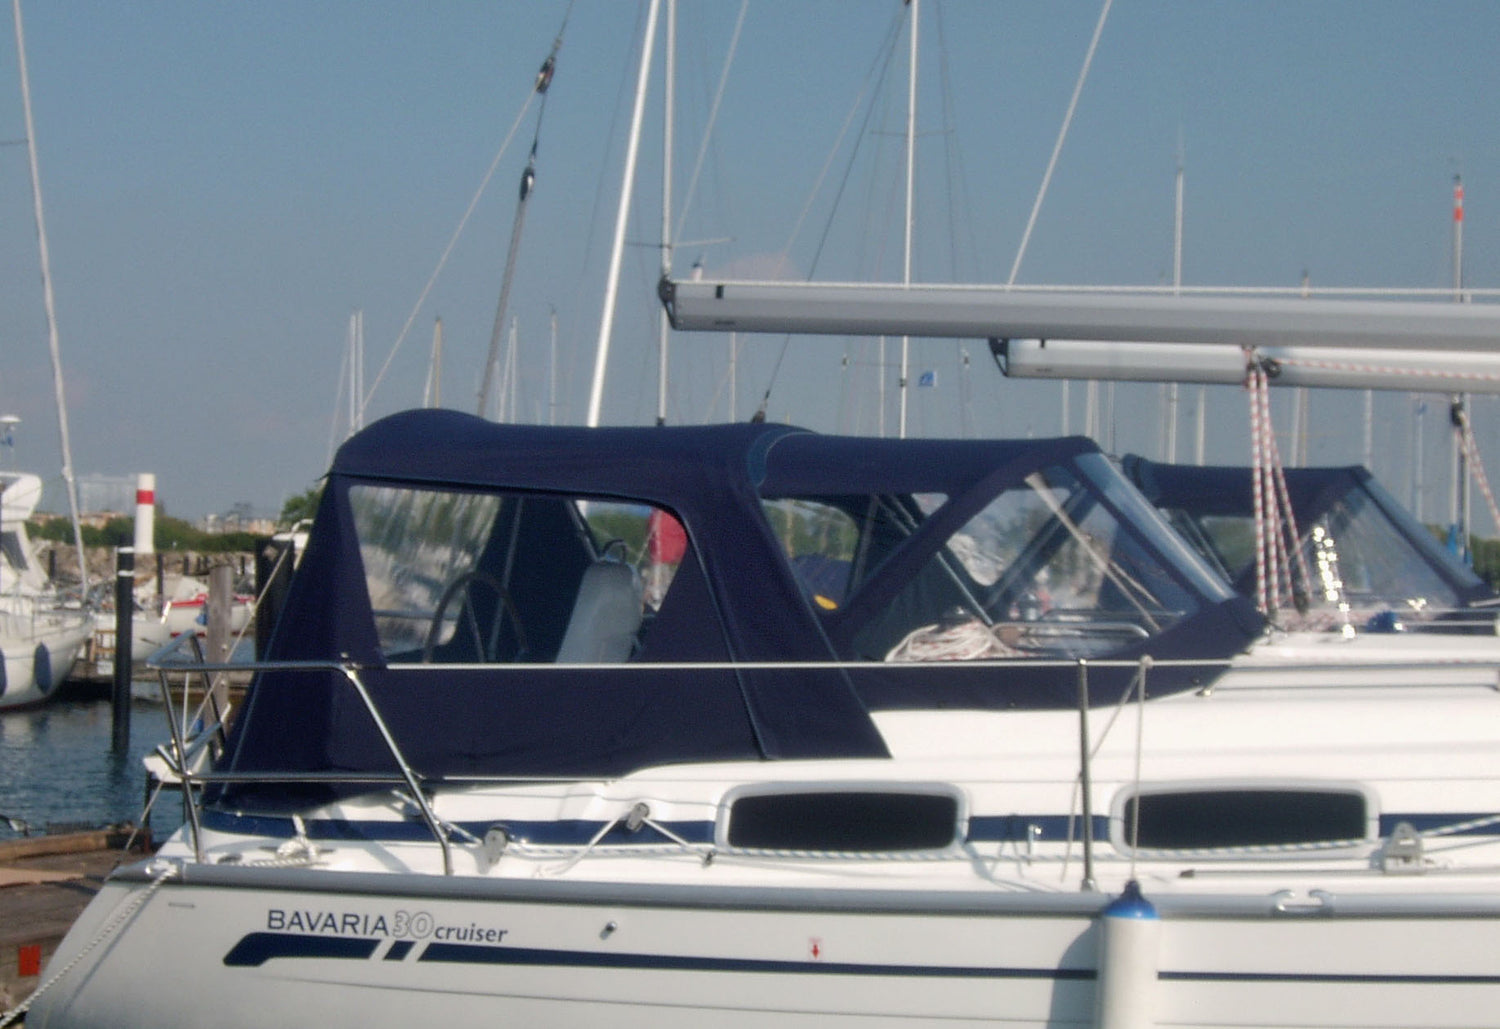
{"x": 918, "y": 732}
{"x": 40, "y": 636}
{"x": 157, "y": 621}
{"x": 41, "y": 639}
{"x": 183, "y": 610}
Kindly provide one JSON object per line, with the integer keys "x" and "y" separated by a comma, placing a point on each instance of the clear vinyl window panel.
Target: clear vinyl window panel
{"x": 1046, "y": 569}
{"x": 458, "y": 577}
{"x": 415, "y": 544}
{"x": 1376, "y": 565}
{"x": 1358, "y": 561}
{"x": 835, "y": 544}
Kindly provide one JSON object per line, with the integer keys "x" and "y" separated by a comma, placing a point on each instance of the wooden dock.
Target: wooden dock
{"x": 45, "y": 883}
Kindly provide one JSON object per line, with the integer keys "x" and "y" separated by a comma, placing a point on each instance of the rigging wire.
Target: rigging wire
{"x": 713, "y": 115}
{"x": 1476, "y": 465}
{"x": 1057, "y": 147}
{"x": 464, "y": 220}
{"x": 954, "y": 164}
{"x": 878, "y": 71}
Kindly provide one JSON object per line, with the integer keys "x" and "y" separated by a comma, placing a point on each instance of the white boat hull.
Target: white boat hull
{"x": 397, "y": 951}
{"x": 39, "y": 653}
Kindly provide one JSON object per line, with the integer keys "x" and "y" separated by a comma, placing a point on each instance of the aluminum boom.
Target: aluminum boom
{"x": 996, "y": 312}
{"x": 1221, "y": 364}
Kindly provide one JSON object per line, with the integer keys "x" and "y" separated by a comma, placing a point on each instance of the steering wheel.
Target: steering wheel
{"x": 505, "y": 607}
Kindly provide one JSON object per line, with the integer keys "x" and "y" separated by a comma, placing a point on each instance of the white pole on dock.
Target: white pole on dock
{"x": 124, "y": 637}
{"x": 220, "y": 636}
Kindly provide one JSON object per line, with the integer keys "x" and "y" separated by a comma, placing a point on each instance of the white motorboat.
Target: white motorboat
{"x": 918, "y": 732}
{"x": 40, "y": 636}
{"x": 159, "y": 620}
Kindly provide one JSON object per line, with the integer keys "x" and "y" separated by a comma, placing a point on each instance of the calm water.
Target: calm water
{"x": 57, "y": 767}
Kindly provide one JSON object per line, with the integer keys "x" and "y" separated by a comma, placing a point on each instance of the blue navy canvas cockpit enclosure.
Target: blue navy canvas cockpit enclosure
{"x": 1384, "y": 557}
{"x": 540, "y": 601}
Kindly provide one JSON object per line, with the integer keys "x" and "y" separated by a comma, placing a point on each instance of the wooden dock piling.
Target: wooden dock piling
{"x": 124, "y": 631}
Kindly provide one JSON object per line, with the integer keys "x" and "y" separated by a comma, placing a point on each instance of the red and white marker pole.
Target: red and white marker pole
{"x": 1458, "y": 236}
{"x": 145, "y": 514}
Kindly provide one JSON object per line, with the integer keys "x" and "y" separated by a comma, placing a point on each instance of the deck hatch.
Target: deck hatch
{"x": 839, "y": 819}
{"x": 1244, "y": 816}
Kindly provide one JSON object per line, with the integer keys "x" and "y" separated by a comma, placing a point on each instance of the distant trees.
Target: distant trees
{"x": 299, "y": 507}
{"x": 1486, "y": 560}
{"x": 170, "y": 534}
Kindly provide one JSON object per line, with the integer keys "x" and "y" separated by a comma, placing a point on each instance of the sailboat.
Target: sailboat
{"x": 915, "y": 732}
{"x": 40, "y": 637}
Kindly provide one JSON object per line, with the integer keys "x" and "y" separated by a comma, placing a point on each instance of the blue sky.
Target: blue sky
{"x": 226, "y": 183}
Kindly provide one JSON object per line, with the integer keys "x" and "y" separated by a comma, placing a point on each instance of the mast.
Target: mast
{"x": 356, "y": 348}
{"x": 734, "y": 358}
{"x": 622, "y": 217}
{"x": 1458, "y": 238}
{"x": 911, "y": 165}
{"x": 669, "y": 77}
{"x": 1369, "y": 450}
{"x": 552, "y": 372}
{"x": 528, "y": 180}
{"x": 1169, "y": 446}
{"x": 512, "y": 372}
{"x": 1419, "y": 412}
{"x": 1460, "y": 401}
{"x": 432, "y": 394}
{"x": 54, "y": 345}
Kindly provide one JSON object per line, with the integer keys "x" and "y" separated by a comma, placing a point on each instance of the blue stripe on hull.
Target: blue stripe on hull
{"x": 1333, "y": 978}
{"x": 255, "y": 949}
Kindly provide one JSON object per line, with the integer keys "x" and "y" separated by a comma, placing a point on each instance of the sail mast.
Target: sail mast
{"x": 911, "y": 166}
{"x": 432, "y": 395}
{"x": 53, "y": 345}
{"x": 669, "y": 75}
{"x": 622, "y": 217}
{"x": 1460, "y": 401}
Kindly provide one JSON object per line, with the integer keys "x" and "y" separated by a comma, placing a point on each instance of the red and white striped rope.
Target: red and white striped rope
{"x": 1283, "y": 530}
{"x": 1476, "y": 464}
{"x": 1277, "y": 542}
{"x": 1253, "y": 373}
